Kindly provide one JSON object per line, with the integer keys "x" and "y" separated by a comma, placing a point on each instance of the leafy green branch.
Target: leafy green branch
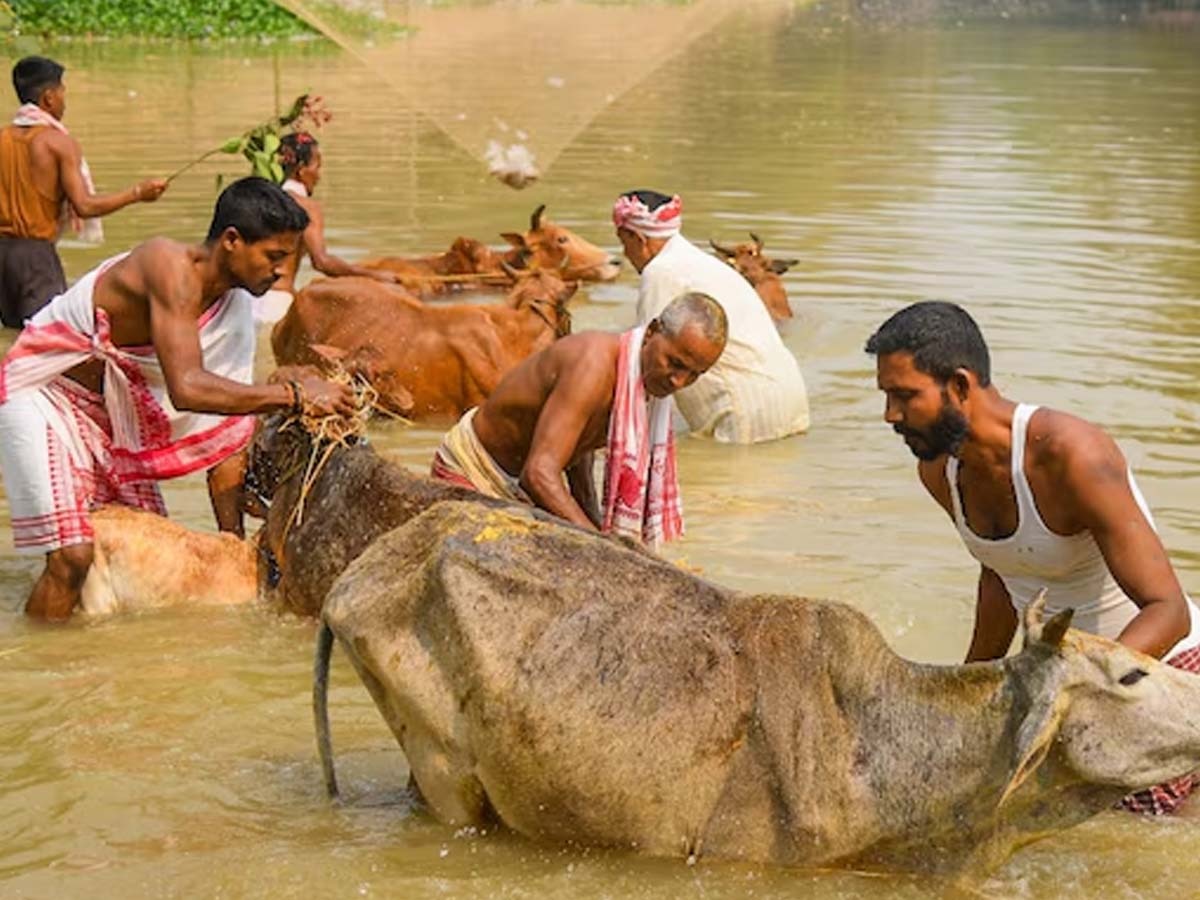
{"x": 260, "y": 144}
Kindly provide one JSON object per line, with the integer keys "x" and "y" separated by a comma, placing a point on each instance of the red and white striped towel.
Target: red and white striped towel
{"x": 150, "y": 438}
{"x": 641, "y": 484}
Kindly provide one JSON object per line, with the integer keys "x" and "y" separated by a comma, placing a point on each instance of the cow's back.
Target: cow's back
{"x": 357, "y": 496}
{"x": 600, "y": 694}
{"x": 351, "y": 314}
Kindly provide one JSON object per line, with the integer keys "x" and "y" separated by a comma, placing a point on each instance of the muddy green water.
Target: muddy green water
{"x": 1047, "y": 178}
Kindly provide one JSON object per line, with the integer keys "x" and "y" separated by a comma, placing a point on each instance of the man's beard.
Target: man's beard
{"x": 945, "y": 436}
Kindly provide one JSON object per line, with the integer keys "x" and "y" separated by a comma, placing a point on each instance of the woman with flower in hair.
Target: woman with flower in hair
{"x": 299, "y": 156}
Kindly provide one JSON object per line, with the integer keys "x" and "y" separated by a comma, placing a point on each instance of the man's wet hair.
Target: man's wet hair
{"x": 34, "y": 74}
{"x": 652, "y": 199}
{"x": 942, "y": 338}
{"x": 695, "y": 308}
{"x": 258, "y": 209}
{"x": 296, "y": 150}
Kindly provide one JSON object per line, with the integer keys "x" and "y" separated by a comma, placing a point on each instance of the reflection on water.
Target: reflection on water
{"x": 1049, "y": 179}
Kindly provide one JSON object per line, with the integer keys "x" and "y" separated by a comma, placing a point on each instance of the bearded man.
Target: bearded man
{"x": 1040, "y": 498}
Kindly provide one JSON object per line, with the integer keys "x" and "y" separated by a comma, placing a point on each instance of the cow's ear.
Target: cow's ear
{"x": 1034, "y": 738}
{"x": 517, "y": 240}
{"x": 779, "y": 266}
{"x": 1055, "y": 630}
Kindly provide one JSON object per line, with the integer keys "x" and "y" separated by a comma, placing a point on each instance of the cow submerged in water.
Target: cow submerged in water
{"x": 579, "y": 691}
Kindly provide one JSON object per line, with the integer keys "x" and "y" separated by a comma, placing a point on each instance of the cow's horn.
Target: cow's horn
{"x": 535, "y": 221}
{"x": 757, "y": 241}
{"x": 1032, "y": 618}
{"x": 724, "y": 251}
{"x": 1051, "y": 632}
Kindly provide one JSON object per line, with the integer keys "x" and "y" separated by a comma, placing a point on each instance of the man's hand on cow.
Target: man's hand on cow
{"x": 385, "y": 276}
{"x": 324, "y": 398}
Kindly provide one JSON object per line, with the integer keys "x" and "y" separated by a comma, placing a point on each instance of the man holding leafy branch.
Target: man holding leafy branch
{"x": 45, "y": 184}
{"x": 299, "y": 158}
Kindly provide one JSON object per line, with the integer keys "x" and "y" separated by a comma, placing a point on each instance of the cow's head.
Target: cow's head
{"x": 543, "y": 293}
{"x": 749, "y": 259}
{"x": 1111, "y": 717}
{"x": 549, "y": 246}
{"x": 761, "y": 271}
{"x": 468, "y": 256}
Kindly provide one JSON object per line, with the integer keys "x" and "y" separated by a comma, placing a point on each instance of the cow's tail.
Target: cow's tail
{"x": 321, "y": 706}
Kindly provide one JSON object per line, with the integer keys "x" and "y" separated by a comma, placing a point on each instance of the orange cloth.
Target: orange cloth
{"x": 24, "y": 211}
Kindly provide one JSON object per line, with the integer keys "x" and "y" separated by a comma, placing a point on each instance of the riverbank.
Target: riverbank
{"x": 189, "y": 20}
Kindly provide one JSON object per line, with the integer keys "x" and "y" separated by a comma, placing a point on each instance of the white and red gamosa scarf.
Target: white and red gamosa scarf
{"x": 641, "y": 484}
{"x": 151, "y": 440}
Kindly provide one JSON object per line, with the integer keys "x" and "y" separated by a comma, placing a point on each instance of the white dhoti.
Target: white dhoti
{"x": 463, "y": 460}
{"x": 65, "y": 449}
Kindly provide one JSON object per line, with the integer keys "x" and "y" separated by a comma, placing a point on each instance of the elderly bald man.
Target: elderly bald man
{"x": 755, "y": 391}
{"x": 533, "y": 439}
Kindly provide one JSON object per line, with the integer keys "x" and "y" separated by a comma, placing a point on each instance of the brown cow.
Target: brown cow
{"x": 425, "y": 361}
{"x": 544, "y": 246}
{"x": 144, "y": 561}
{"x": 579, "y": 693}
{"x": 762, "y": 273}
{"x": 352, "y": 499}
{"x": 433, "y": 275}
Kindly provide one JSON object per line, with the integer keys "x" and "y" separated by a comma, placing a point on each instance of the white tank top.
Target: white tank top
{"x": 1071, "y": 568}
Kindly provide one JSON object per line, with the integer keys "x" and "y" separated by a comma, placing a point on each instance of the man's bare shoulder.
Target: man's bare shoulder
{"x": 308, "y": 204}
{"x": 592, "y": 349}
{"x": 1066, "y": 444}
{"x": 57, "y": 141}
{"x": 161, "y": 263}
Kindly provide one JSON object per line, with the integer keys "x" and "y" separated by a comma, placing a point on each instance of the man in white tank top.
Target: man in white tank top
{"x": 1040, "y": 498}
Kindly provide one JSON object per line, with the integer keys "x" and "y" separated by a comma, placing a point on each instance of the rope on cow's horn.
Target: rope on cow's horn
{"x": 328, "y": 433}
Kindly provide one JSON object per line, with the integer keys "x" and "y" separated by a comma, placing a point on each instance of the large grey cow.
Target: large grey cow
{"x": 579, "y": 691}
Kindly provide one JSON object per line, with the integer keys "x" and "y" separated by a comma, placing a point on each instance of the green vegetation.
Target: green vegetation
{"x": 184, "y": 19}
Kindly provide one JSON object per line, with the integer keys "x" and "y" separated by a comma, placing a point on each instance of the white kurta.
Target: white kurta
{"x": 755, "y": 391}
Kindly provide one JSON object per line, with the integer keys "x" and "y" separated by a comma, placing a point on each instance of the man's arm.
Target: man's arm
{"x": 225, "y": 491}
{"x": 582, "y": 481}
{"x": 995, "y": 619}
{"x": 84, "y": 202}
{"x": 324, "y": 261}
{"x": 193, "y": 388}
{"x": 1096, "y": 479}
{"x": 578, "y": 391}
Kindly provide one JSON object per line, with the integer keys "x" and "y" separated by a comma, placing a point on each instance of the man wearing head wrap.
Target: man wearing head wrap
{"x": 754, "y": 392}
{"x": 299, "y": 156}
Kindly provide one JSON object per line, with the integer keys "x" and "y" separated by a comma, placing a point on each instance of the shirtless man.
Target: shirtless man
{"x": 140, "y": 372}
{"x": 587, "y": 391}
{"x": 1040, "y": 498}
{"x": 43, "y": 178}
{"x": 300, "y": 156}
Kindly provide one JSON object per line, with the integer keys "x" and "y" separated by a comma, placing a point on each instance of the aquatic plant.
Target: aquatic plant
{"x": 190, "y": 19}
